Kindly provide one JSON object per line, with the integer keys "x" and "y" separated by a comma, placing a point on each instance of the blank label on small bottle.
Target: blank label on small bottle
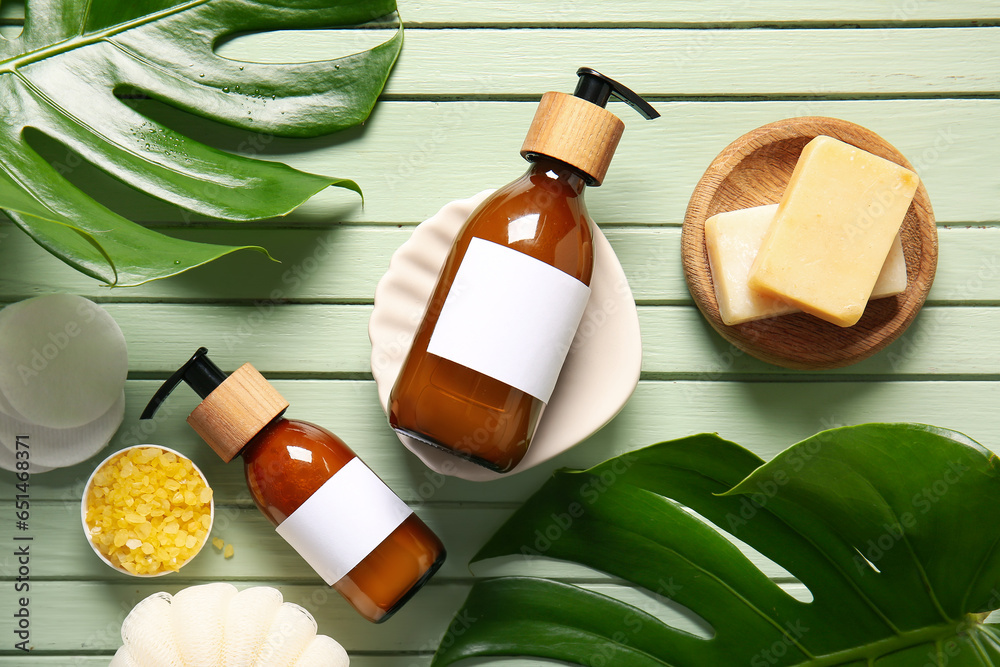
{"x": 344, "y": 521}
{"x": 511, "y": 317}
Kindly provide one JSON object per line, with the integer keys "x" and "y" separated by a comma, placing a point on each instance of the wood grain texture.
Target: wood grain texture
{"x": 688, "y": 63}
{"x": 651, "y": 12}
{"x": 413, "y": 157}
{"x": 457, "y": 108}
{"x": 102, "y": 660}
{"x": 677, "y": 341}
{"x": 656, "y": 12}
{"x": 576, "y": 132}
{"x": 260, "y": 553}
{"x": 755, "y": 170}
{"x": 238, "y": 409}
{"x": 416, "y": 628}
{"x": 764, "y": 416}
{"x": 353, "y": 258}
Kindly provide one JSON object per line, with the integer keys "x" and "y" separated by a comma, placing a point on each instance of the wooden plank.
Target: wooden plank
{"x": 418, "y": 627}
{"x": 407, "y": 660}
{"x": 318, "y": 340}
{"x": 343, "y": 265}
{"x": 414, "y": 156}
{"x": 653, "y": 12}
{"x": 954, "y": 145}
{"x": 678, "y": 343}
{"x": 411, "y": 660}
{"x": 766, "y": 417}
{"x": 60, "y": 550}
{"x": 787, "y": 62}
{"x": 411, "y": 158}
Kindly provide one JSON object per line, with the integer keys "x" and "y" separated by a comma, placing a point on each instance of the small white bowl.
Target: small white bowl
{"x": 86, "y": 526}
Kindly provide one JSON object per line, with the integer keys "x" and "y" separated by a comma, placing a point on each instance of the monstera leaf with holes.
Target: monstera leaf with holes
{"x": 892, "y": 527}
{"x": 72, "y": 72}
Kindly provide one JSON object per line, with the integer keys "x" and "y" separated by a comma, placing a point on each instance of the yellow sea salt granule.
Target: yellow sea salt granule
{"x": 148, "y": 510}
{"x": 229, "y": 549}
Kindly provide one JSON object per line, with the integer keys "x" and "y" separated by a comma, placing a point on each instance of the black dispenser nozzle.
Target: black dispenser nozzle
{"x": 598, "y": 89}
{"x": 199, "y": 372}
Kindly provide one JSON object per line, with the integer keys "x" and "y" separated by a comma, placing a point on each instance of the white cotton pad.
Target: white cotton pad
{"x": 63, "y": 360}
{"x": 7, "y": 409}
{"x": 61, "y": 447}
{"x": 8, "y": 460}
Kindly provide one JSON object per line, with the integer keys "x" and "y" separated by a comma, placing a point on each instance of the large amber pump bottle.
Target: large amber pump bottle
{"x": 323, "y": 500}
{"x": 512, "y": 292}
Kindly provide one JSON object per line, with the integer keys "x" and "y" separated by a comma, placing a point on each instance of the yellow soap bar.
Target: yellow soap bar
{"x": 733, "y": 240}
{"x": 833, "y": 230}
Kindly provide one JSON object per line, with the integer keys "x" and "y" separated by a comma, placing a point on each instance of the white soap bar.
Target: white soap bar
{"x": 733, "y": 239}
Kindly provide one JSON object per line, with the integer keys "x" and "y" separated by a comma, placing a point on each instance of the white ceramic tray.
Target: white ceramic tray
{"x": 601, "y": 370}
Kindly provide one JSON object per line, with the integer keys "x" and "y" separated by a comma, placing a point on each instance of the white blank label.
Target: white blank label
{"x": 511, "y": 317}
{"x": 343, "y": 522}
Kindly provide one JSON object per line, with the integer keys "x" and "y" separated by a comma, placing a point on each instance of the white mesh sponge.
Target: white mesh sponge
{"x": 215, "y": 626}
{"x": 148, "y": 634}
{"x": 247, "y": 622}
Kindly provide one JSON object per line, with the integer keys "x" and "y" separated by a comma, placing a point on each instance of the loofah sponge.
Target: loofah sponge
{"x": 215, "y": 626}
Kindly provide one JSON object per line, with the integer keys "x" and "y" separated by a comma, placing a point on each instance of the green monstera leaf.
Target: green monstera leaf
{"x": 892, "y": 528}
{"x": 74, "y": 71}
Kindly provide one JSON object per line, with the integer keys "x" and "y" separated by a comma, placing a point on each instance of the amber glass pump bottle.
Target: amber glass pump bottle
{"x": 341, "y": 518}
{"x": 512, "y": 292}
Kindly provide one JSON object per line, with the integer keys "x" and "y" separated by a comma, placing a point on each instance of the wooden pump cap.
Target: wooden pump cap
{"x": 574, "y": 131}
{"x": 236, "y": 411}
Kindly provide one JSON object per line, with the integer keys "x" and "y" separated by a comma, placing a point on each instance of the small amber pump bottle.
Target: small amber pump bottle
{"x": 512, "y": 292}
{"x": 337, "y": 514}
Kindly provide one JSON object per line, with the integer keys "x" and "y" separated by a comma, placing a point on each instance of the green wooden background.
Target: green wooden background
{"x": 925, "y": 74}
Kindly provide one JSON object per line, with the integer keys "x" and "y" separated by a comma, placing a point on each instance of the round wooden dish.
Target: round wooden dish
{"x": 754, "y": 170}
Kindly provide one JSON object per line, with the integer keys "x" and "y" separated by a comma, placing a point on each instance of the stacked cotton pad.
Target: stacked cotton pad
{"x": 63, "y": 363}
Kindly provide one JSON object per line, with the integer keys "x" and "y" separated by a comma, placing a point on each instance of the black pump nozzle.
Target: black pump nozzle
{"x": 199, "y": 372}
{"x": 598, "y": 89}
